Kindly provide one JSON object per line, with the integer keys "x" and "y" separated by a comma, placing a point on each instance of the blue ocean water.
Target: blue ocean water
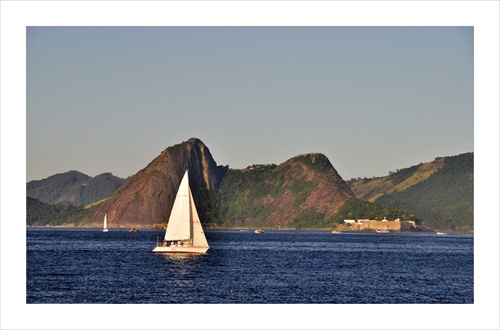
{"x": 87, "y": 266}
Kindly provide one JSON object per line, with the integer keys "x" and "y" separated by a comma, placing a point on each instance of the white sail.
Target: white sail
{"x": 178, "y": 227}
{"x": 184, "y": 226}
{"x": 198, "y": 235}
{"x": 105, "y": 226}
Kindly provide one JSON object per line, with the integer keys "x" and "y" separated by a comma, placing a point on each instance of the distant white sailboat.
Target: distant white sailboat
{"x": 184, "y": 232}
{"x": 105, "y": 226}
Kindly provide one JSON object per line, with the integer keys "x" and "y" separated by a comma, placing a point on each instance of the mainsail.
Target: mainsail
{"x": 178, "y": 227}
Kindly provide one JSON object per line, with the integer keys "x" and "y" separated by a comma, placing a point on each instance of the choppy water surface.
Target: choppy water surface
{"x": 277, "y": 267}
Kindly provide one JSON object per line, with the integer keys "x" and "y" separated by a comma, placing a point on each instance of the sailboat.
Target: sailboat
{"x": 184, "y": 233}
{"x": 105, "y": 226}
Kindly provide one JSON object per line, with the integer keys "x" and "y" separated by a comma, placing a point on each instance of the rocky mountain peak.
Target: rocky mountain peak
{"x": 147, "y": 197}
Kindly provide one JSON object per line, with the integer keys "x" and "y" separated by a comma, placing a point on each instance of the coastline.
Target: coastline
{"x": 340, "y": 228}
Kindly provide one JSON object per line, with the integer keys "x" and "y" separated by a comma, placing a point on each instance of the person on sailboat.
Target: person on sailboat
{"x": 164, "y": 243}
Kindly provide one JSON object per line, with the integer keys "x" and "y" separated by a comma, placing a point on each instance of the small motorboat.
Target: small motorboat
{"x": 133, "y": 230}
{"x": 259, "y": 231}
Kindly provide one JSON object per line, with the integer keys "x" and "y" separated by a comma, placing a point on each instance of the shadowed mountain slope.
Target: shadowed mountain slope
{"x": 73, "y": 188}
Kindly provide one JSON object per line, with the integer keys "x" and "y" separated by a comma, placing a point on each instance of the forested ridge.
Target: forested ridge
{"x": 42, "y": 214}
{"x": 248, "y": 198}
{"x": 305, "y": 192}
{"x": 444, "y": 199}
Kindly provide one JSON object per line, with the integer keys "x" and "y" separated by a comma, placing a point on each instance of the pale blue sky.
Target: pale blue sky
{"x": 372, "y": 99}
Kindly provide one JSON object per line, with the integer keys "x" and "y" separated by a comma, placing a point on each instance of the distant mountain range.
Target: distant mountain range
{"x": 304, "y": 192}
{"x": 73, "y": 188}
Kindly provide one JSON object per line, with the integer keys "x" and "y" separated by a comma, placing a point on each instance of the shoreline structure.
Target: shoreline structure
{"x": 374, "y": 225}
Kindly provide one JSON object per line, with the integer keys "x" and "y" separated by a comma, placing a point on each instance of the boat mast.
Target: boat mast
{"x": 191, "y": 231}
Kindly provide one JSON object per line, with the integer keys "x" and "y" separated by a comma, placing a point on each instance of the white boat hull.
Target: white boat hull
{"x": 105, "y": 230}
{"x": 180, "y": 249}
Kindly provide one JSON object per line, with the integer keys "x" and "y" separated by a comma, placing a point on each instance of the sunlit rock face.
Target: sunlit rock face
{"x": 147, "y": 197}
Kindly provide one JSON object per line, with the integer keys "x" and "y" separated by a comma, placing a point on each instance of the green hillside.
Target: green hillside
{"x": 41, "y": 214}
{"x": 299, "y": 194}
{"x": 439, "y": 193}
